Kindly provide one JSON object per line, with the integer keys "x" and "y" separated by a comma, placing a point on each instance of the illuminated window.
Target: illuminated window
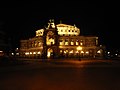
{"x": 71, "y": 51}
{"x": 38, "y": 52}
{"x": 77, "y": 42}
{"x": 99, "y": 51}
{"x": 87, "y": 52}
{"x": 82, "y": 51}
{"x": 39, "y": 43}
{"x": 35, "y": 43}
{"x": 81, "y": 43}
{"x": 61, "y": 42}
{"x": 76, "y": 52}
{"x": 30, "y": 52}
{"x": 60, "y": 51}
{"x": 72, "y": 43}
{"x": 66, "y": 42}
{"x": 66, "y": 51}
{"x": 32, "y": 44}
{"x": 34, "y": 52}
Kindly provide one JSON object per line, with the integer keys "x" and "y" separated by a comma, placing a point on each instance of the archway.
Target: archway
{"x": 49, "y": 53}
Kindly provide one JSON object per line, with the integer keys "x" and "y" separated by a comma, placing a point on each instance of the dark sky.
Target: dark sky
{"x": 21, "y": 19}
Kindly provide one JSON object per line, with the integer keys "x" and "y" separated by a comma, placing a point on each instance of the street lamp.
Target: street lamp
{"x": 79, "y": 48}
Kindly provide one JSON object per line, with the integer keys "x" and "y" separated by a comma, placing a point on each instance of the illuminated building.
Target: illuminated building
{"x": 61, "y": 40}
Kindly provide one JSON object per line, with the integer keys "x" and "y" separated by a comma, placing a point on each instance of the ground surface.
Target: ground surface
{"x": 61, "y": 75}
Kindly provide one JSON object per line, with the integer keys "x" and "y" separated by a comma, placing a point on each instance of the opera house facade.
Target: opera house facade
{"x": 60, "y": 41}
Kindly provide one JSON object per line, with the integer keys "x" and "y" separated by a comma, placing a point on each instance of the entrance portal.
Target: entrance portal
{"x": 49, "y": 53}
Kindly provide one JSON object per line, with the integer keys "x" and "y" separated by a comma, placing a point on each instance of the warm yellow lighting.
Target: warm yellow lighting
{"x": 86, "y": 52}
{"x": 72, "y": 43}
{"x": 77, "y": 43}
{"x": 49, "y": 51}
{"x": 64, "y": 51}
{"x": 49, "y": 39}
{"x": 82, "y": 51}
{"x": 79, "y": 48}
{"x": 30, "y": 52}
{"x": 63, "y": 29}
{"x": 98, "y": 51}
{"x": 67, "y": 30}
{"x": 71, "y": 51}
{"x": 39, "y": 32}
{"x": 27, "y": 53}
{"x": 66, "y": 43}
{"x": 38, "y": 52}
{"x": 76, "y": 52}
{"x": 48, "y": 54}
{"x": 81, "y": 43}
{"x": 34, "y": 52}
{"x": 60, "y": 51}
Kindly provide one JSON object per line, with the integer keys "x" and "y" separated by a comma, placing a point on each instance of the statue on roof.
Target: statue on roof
{"x": 51, "y": 23}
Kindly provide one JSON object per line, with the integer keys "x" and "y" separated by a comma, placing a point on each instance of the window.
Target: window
{"x": 60, "y": 51}
{"x": 72, "y": 42}
{"x": 66, "y": 41}
{"x": 61, "y": 42}
{"x": 39, "y": 43}
{"x": 81, "y": 43}
{"x": 77, "y": 43}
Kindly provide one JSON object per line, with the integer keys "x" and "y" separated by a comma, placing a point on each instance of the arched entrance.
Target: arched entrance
{"x": 49, "y": 53}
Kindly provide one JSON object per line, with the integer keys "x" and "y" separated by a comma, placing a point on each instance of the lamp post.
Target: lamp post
{"x": 79, "y": 48}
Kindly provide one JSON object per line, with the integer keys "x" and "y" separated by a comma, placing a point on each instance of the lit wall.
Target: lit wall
{"x": 63, "y": 30}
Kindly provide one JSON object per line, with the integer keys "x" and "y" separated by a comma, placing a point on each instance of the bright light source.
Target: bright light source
{"x": 38, "y": 52}
{"x": 1, "y": 51}
{"x": 30, "y": 52}
{"x": 12, "y": 53}
{"x": 71, "y": 51}
{"x": 79, "y": 48}
{"x": 34, "y": 52}
{"x": 17, "y": 53}
{"x": 98, "y": 51}
{"x": 48, "y": 54}
{"x": 108, "y": 52}
{"x": 76, "y": 52}
{"x": 64, "y": 51}
{"x": 86, "y": 52}
{"x": 82, "y": 51}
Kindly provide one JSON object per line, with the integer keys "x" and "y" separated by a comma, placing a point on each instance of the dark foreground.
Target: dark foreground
{"x": 78, "y": 75}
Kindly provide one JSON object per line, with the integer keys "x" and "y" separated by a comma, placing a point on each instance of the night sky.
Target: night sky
{"x": 20, "y": 20}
